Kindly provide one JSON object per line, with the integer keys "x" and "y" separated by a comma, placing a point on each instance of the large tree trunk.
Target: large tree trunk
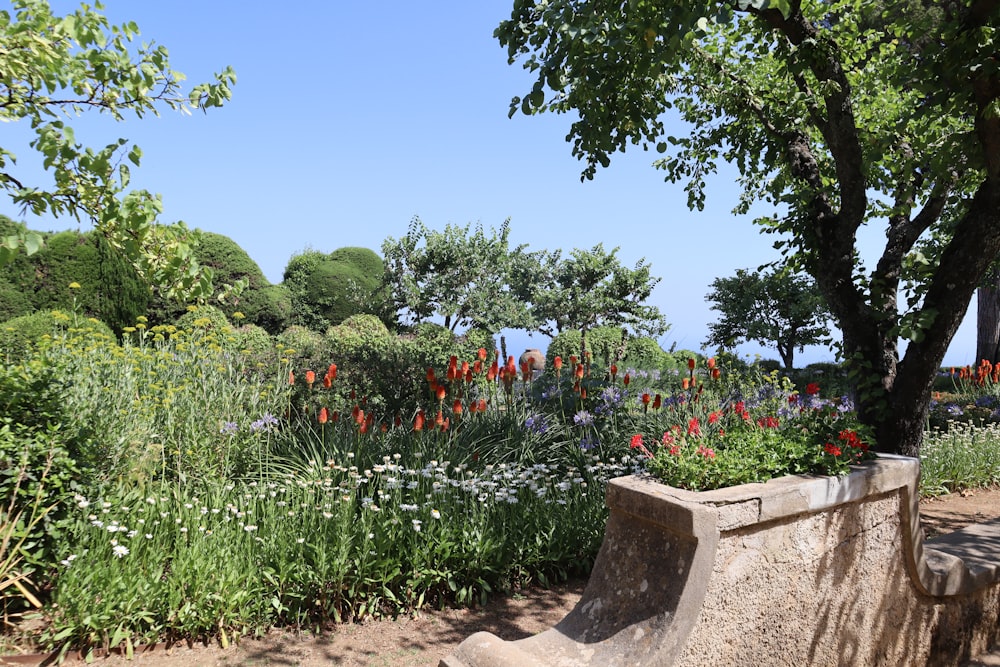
{"x": 988, "y": 318}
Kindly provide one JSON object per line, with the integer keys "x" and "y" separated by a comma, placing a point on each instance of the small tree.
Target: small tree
{"x": 462, "y": 275}
{"x": 776, "y": 309}
{"x": 591, "y": 288}
{"x": 53, "y": 68}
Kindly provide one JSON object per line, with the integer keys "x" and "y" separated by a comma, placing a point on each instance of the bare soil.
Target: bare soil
{"x": 422, "y": 640}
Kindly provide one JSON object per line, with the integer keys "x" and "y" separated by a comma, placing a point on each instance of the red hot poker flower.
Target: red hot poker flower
{"x": 310, "y": 378}
{"x": 291, "y": 377}
{"x": 324, "y": 416}
{"x": 691, "y": 364}
{"x": 557, "y": 363}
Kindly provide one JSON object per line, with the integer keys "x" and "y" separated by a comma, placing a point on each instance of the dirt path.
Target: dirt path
{"x": 423, "y": 641}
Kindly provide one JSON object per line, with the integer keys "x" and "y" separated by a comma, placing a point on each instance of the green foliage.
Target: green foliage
{"x": 964, "y": 456}
{"x": 836, "y": 118}
{"x": 21, "y": 334}
{"x": 775, "y": 308}
{"x": 467, "y": 277}
{"x": 590, "y": 289}
{"x": 326, "y": 289}
{"x": 55, "y": 67}
{"x": 205, "y": 318}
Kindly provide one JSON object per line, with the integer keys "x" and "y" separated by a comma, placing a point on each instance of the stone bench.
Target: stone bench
{"x": 798, "y": 571}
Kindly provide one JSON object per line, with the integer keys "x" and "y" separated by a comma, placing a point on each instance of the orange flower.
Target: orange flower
{"x": 646, "y": 398}
{"x": 363, "y": 428}
{"x": 526, "y": 371}
{"x": 445, "y": 424}
{"x": 583, "y": 393}
{"x": 691, "y": 364}
{"x": 493, "y": 372}
{"x": 439, "y": 393}
{"x": 685, "y": 384}
{"x": 579, "y": 371}
{"x": 359, "y": 416}
{"x": 557, "y": 363}
{"x": 477, "y": 367}
{"x": 456, "y": 407}
{"x": 324, "y": 416}
{"x": 511, "y": 367}
{"x": 331, "y": 372}
{"x": 465, "y": 369}
{"x": 482, "y": 405}
{"x": 418, "y": 421}
{"x": 430, "y": 374}
{"x": 482, "y": 354}
{"x": 327, "y": 381}
{"x": 310, "y": 378}
{"x": 715, "y": 373}
{"x": 711, "y": 362}
{"x": 439, "y": 420}
{"x": 572, "y": 360}
{"x": 291, "y": 377}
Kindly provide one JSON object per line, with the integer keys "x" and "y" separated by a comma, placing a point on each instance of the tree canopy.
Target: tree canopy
{"x": 838, "y": 115}
{"x": 461, "y": 274}
{"x": 53, "y": 68}
{"x": 774, "y": 308}
{"x": 591, "y": 288}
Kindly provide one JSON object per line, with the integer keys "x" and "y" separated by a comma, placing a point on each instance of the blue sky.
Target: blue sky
{"x": 350, "y": 118}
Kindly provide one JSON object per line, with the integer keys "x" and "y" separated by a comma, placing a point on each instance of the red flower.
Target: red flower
{"x": 430, "y": 374}
{"x": 831, "y": 449}
{"x": 646, "y": 398}
{"x": 715, "y": 373}
{"x": 812, "y": 388}
{"x": 675, "y": 450}
{"x": 713, "y": 418}
{"x": 439, "y": 393}
{"x": 324, "y": 416}
{"x": 707, "y": 452}
{"x": 481, "y": 354}
{"x": 711, "y": 362}
{"x": 694, "y": 428}
{"x": 657, "y": 402}
{"x": 456, "y": 407}
{"x": 667, "y": 438}
{"x": 691, "y": 363}
{"x": 418, "y": 421}
{"x": 636, "y": 441}
{"x": 557, "y": 363}
{"x": 626, "y": 379}
{"x": 614, "y": 371}
{"x": 768, "y": 422}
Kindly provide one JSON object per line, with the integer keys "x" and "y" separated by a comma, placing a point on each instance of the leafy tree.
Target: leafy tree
{"x": 462, "y": 275}
{"x": 837, "y": 114}
{"x": 776, "y": 309}
{"x": 591, "y": 288}
{"x": 54, "y": 67}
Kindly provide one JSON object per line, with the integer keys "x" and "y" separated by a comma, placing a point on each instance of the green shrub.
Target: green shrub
{"x": 19, "y": 335}
{"x": 207, "y": 318}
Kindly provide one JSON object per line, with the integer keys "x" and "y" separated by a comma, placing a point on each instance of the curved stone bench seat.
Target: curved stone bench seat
{"x": 797, "y": 571}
